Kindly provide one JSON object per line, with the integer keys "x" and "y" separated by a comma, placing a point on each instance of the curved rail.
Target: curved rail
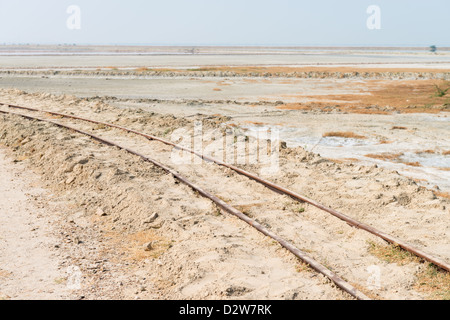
{"x": 352, "y": 222}
{"x": 345, "y": 286}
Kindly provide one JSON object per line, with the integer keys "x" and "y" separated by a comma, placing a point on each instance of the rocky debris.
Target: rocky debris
{"x": 235, "y": 291}
{"x": 148, "y": 246}
{"x": 151, "y": 219}
{"x": 403, "y": 199}
{"x": 101, "y": 212}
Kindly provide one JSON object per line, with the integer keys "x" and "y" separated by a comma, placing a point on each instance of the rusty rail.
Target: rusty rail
{"x": 345, "y": 286}
{"x": 352, "y": 222}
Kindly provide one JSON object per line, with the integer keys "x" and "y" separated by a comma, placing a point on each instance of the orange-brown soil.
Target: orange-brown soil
{"x": 383, "y": 97}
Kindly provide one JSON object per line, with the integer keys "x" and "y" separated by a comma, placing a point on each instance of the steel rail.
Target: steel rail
{"x": 341, "y": 283}
{"x": 352, "y": 222}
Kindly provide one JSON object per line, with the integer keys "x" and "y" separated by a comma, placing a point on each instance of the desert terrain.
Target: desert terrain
{"x": 364, "y": 131}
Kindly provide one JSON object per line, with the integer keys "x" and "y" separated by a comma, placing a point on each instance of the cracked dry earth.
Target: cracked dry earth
{"x": 130, "y": 231}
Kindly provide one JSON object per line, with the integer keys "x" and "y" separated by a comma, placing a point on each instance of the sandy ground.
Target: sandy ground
{"x": 29, "y": 262}
{"x": 174, "y": 88}
{"x": 241, "y": 99}
{"x": 127, "y": 230}
{"x": 117, "y": 266}
{"x": 210, "y": 245}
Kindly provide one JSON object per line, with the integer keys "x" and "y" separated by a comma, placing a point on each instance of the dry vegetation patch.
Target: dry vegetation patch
{"x": 383, "y": 97}
{"x": 413, "y": 164}
{"x": 385, "y": 156}
{"x": 141, "y": 245}
{"x": 4, "y": 273}
{"x": 430, "y": 280}
{"x": 442, "y": 194}
{"x": 393, "y": 157}
{"x": 346, "y": 134}
{"x": 142, "y": 69}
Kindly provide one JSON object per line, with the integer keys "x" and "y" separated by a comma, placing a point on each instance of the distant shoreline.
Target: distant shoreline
{"x": 186, "y": 50}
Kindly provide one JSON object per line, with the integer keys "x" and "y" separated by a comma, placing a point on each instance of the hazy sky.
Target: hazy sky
{"x": 227, "y": 22}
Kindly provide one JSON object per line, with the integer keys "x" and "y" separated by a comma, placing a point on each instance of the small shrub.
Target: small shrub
{"x": 440, "y": 92}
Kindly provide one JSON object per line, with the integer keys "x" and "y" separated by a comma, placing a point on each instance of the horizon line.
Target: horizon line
{"x": 221, "y": 45}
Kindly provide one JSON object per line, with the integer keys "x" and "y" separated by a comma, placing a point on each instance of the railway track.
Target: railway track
{"x": 340, "y": 282}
